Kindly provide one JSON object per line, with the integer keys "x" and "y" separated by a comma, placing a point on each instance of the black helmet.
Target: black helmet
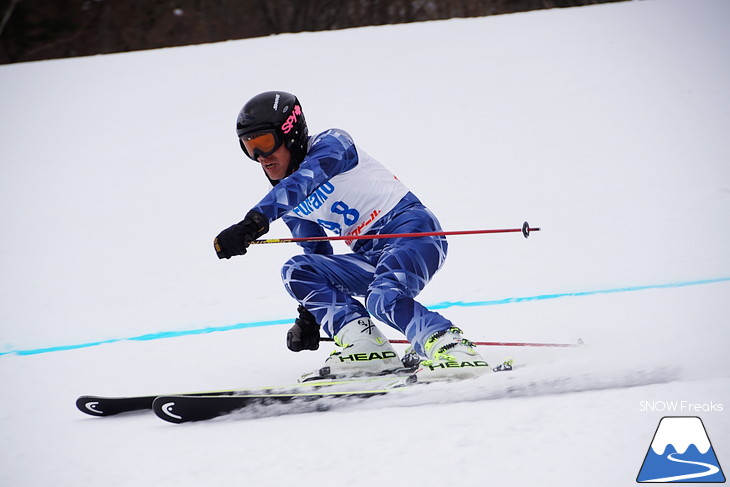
{"x": 277, "y": 113}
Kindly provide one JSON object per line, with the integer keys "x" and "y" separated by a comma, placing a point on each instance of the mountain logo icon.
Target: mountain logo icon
{"x": 681, "y": 452}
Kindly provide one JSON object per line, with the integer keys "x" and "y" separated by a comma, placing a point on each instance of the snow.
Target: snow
{"x": 605, "y": 125}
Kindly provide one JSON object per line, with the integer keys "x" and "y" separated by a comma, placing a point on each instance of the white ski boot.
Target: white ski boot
{"x": 450, "y": 356}
{"x": 365, "y": 351}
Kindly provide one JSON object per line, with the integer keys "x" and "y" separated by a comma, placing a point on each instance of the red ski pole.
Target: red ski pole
{"x": 526, "y": 229}
{"x": 493, "y": 344}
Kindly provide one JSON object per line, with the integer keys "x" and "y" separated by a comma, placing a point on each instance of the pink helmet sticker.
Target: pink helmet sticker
{"x": 289, "y": 124}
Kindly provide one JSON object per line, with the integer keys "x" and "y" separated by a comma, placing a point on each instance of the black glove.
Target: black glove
{"x": 304, "y": 335}
{"x": 235, "y": 239}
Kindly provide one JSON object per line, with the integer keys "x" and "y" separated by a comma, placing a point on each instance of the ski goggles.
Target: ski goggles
{"x": 260, "y": 144}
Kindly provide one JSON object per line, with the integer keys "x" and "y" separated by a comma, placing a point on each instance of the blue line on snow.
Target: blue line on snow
{"x": 449, "y": 304}
{"x": 438, "y": 306}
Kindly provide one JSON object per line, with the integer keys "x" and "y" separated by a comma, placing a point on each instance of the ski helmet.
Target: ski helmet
{"x": 277, "y": 115}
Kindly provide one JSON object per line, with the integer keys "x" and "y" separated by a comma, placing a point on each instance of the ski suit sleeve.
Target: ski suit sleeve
{"x": 305, "y": 228}
{"x": 331, "y": 153}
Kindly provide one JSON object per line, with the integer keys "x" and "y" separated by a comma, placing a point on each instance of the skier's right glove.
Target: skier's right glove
{"x": 304, "y": 335}
{"x": 235, "y": 239}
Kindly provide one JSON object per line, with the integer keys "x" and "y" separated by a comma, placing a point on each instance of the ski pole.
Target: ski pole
{"x": 526, "y": 229}
{"x": 493, "y": 344}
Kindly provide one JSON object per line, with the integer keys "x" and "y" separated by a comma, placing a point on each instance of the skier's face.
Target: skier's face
{"x": 276, "y": 164}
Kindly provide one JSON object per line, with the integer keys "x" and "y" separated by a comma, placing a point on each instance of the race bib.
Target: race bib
{"x": 352, "y": 201}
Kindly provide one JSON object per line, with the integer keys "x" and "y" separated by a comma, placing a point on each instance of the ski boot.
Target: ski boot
{"x": 450, "y": 357}
{"x": 364, "y": 352}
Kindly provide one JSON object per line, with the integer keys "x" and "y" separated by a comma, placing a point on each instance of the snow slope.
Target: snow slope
{"x": 604, "y": 125}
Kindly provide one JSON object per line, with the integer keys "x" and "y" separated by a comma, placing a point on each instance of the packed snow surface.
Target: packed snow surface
{"x": 606, "y": 126}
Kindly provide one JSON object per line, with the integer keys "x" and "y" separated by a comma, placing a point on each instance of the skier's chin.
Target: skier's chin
{"x": 274, "y": 175}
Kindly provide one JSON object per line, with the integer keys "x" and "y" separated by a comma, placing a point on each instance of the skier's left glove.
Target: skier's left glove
{"x": 235, "y": 239}
{"x": 304, "y": 335}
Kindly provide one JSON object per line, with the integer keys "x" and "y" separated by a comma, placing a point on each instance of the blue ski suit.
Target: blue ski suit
{"x": 340, "y": 188}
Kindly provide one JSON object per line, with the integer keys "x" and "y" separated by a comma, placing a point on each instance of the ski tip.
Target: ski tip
{"x": 110, "y": 406}
{"x": 98, "y": 406}
{"x": 186, "y": 408}
{"x": 89, "y": 405}
{"x": 164, "y": 408}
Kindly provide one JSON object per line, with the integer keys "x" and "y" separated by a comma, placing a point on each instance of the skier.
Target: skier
{"x": 325, "y": 182}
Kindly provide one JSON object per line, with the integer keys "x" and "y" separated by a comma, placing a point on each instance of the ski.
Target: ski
{"x": 110, "y": 406}
{"x": 186, "y": 408}
{"x": 197, "y": 406}
{"x": 183, "y": 409}
{"x": 102, "y": 406}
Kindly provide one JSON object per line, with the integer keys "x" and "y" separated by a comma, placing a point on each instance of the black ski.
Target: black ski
{"x": 187, "y": 408}
{"x": 197, "y": 406}
{"x": 183, "y": 409}
{"x": 110, "y": 406}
